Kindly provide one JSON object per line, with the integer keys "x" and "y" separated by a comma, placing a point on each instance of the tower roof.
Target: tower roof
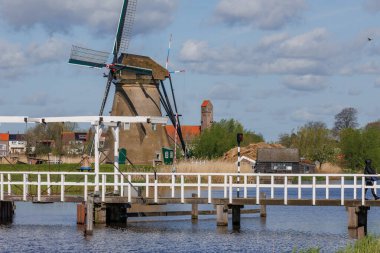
{"x": 205, "y": 103}
{"x": 159, "y": 72}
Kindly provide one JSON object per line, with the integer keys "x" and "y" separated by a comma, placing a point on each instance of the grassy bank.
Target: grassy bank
{"x": 368, "y": 244}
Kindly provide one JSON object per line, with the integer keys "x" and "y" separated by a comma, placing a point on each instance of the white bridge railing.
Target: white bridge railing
{"x": 210, "y": 185}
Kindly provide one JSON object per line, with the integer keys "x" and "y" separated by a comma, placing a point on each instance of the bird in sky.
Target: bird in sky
{"x": 369, "y": 39}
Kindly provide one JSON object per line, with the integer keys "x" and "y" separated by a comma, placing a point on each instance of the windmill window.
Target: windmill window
{"x": 127, "y": 126}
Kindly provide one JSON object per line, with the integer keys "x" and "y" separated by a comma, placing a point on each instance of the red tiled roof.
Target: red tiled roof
{"x": 205, "y": 103}
{"x": 67, "y": 137}
{"x": 4, "y": 137}
{"x": 188, "y": 132}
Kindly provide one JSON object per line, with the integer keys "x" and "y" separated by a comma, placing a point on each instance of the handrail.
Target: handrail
{"x": 252, "y": 184}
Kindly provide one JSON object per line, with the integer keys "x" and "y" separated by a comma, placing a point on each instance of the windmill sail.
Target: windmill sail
{"x": 88, "y": 57}
{"x": 124, "y": 30}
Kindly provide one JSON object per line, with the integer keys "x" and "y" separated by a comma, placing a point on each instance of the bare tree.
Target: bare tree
{"x": 347, "y": 118}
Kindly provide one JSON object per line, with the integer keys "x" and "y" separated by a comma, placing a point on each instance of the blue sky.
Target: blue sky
{"x": 271, "y": 64}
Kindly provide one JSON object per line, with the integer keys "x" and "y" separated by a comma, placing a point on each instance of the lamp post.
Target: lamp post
{"x": 239, "y": 138}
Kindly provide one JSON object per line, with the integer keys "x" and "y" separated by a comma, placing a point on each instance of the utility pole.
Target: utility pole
{"x": 239, "y": 138}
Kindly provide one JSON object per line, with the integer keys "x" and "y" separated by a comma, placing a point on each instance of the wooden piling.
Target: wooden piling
{"x": 6, "y": 212}
{"x": 194, "y": 208}
{"x": 263, "y": 207}
{"x": 236, "y": 215}
{"x": 221, "y": 215}
{"x": 81, "y": 213}
{"x": 89, "y": 215}
{"x": 116, "y": 214}
{"x": 100, "y": 213}
{"x": 357, "y": 221}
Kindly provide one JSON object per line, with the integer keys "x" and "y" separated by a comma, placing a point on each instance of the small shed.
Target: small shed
{"x": 279, "y": 160}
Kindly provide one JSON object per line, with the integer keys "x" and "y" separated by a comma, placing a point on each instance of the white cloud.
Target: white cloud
{"x": 99, "y": 16}
{"x": 16, "y": 58}
{"x": 305, "y": 82}
{"x": 377, "y": 83}
{"x": 310, "y": 53}
{"x": 264, "y": 14}
{"x": 372, "y": 6}
{"x": 316, "y": 113}
{"x": 222, "y": 91}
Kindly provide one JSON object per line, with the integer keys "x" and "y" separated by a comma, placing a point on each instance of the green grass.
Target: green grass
{"x": 368, "y": 244}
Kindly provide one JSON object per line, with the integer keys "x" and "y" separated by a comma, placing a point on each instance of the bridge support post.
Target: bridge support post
{"x": 100, "y": 214}
{"x": 6, "y": 212}
{"x": 221, "y": 215}
{"x": 116, "y": 214}
{"x": 236, "y": 215}
{"x": 357, "y": 221}
{"x": 89, "y": 216}
{"x": 194, "y": 208}
{"x": 263, "y": 207}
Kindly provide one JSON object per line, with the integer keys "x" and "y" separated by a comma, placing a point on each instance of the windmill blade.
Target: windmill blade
{"x": 124, "y": 30}
{"x": 88, "y": 57}
{"x": 106, "y": 92}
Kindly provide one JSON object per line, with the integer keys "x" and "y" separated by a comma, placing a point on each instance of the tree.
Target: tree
{"x": 313, "y": 141}
{"x": 51, "y": 131}
{"x": 347, "y": 118}
{"x": 220, "y": 138}
{"x": 360, "y": 144}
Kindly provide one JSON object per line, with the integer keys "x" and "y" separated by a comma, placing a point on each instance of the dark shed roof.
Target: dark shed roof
{"x": 277, "y": 155}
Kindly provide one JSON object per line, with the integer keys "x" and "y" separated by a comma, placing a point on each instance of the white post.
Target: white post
{"x": 355, "y": 185}
{"x": 272, "y": 187}
{"x": 104, "y": 187}
{"x": 116, "y": 133}
{"x": 209, "y": 189}
{"x": 299, "y": 187}
{"x": 39, "y": 187}
{"x": 147, "y": 186}
{"x": 24, "y": 188}
{"x": 257, "y": 190}
{"x": 96, "y": 153}
{"x": 199, "y": 186}
{"x": 9, "y": 185}
{"x": 225, "y": 187}
{"x": 363, "y": 191}
{"x": 85, "y": 187}
{"x": 327, "y": 187}
{"x": 1, "y": 186}
{"x": 182, "y": 189}
{"x": 48, "y": 184}
{"x": 230, "y": 192}
{"x": 122, "y": 186}
{"x": 314, "y": 190}
{"x": 245, "y": 187}
{"x": 155, "y": 188}
{"x": 342, "y": 191}
{"x": 285, "y": 190}
{"x": 129, "y": 189}
{"x": 62, "y": 187}
{"x": 173, "y": 185}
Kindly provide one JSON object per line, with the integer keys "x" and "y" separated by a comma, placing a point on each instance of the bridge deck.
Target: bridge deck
{"x": 215, "y": 201}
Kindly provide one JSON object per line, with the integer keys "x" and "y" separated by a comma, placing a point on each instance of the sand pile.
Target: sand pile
{"x": 248, "y": 151}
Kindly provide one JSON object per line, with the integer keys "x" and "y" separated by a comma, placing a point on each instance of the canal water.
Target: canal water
{"x": 52, "y": 228}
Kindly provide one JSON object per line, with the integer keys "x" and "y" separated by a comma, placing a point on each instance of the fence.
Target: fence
{"x": 207, "y": 185}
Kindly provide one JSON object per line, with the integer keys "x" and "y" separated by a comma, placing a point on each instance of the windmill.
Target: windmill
{"x": 137, "y": 80}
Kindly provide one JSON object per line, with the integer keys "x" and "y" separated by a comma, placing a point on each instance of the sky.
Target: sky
{"x": 273, "y": 65}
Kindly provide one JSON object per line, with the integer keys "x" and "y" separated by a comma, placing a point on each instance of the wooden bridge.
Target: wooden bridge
{"x": 224, "y": 191}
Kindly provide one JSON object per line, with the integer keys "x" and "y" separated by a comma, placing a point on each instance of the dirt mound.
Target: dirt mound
{"x": 248, "y": 151}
